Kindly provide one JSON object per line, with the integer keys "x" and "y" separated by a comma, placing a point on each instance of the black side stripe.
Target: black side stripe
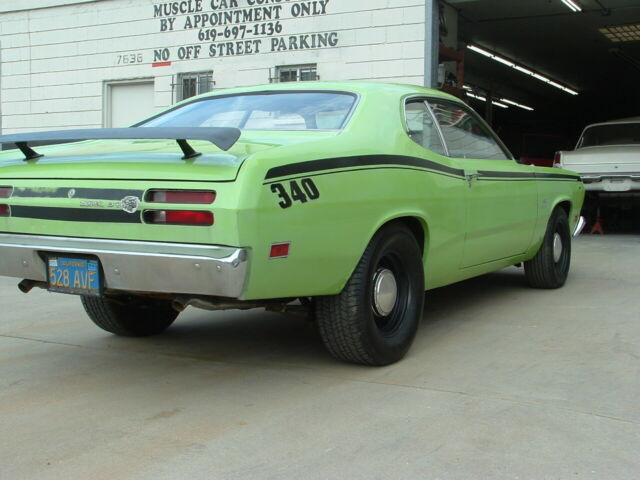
{"x": 487, "y": 175}
{"x": 562, "y": 176}
{"x": 359, "y": 161}
{"x": 492, "y": 174}
{"x": 75, "y": 214}
{"x": 84, "y": 193}
{"x": 364, "y": 169}
{"x": 362, "y": 162}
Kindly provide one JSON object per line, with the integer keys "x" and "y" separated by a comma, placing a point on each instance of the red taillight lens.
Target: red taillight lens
{"x": 5, "y": 210}
{"x": 201, "y": 197}
{"x": 179, "y": 217}
{"x": 557, "y": 160}
{"x": 5, "y": 192}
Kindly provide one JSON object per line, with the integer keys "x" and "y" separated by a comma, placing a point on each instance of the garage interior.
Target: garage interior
{"x": 591, "y": 47}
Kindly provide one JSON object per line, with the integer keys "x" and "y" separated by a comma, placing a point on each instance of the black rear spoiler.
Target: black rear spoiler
{"x": 222, "y": 137}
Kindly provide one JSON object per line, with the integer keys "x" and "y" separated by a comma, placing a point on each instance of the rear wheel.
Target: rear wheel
{"x": 373, "y": 321}
{"x": 130, "y": 316}
{"x": 550, "y": 267}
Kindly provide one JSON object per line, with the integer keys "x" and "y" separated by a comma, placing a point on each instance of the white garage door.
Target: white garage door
{"x": 128, "y": 103}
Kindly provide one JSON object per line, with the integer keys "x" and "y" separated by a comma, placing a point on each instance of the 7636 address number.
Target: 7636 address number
{"x": 129, "y": 58}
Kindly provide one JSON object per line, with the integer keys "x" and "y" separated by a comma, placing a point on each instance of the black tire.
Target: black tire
{"x": 350, "y": 323}
{"x": 130, "y": 316}
{"x": 546, "y": 269}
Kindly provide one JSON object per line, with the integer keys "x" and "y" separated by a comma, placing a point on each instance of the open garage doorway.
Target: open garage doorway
{"x": 542, "y": 70}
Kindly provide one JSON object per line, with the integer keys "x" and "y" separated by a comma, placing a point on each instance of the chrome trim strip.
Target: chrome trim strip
{"x": 134, "y": 265}
{"x": 579, "y": 226}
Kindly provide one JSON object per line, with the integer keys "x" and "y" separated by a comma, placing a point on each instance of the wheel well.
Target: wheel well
{"x": 416, "y": 227}
{"x": 566, "y": 205}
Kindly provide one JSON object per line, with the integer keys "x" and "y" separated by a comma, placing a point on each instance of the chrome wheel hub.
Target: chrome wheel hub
{"x": 557, "y": 247}
{"x": 385, "y": 291}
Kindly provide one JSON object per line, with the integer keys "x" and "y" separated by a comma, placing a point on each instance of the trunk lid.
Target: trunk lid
{"x": 614, "y": 159}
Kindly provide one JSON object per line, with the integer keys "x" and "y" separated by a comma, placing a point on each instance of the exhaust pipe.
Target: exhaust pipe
{"x": 25, "y": 286}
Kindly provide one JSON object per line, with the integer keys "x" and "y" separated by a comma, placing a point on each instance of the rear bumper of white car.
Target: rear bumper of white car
{"x": 611, "y": 182}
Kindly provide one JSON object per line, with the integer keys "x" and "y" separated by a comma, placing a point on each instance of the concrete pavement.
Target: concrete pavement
{"x": 502, "y": 382}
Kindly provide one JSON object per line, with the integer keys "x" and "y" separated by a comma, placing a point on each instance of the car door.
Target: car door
{"x": 501, "y": 198}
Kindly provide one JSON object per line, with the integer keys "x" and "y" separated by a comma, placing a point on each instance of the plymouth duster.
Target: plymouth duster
{"x": 344, "y": 200}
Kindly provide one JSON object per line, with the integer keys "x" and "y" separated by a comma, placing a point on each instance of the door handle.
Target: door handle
{"x": 471, "y": 177}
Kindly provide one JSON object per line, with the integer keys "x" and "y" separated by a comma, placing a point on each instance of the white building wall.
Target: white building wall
{"x": 55, "y": 61}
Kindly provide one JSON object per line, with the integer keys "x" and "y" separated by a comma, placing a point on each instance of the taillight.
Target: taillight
{"x": 179, "y": 217}
{"x": 557, "y": 160}
{"x": 5, "y": 192}
{"x": 201, "y": 197}
{"x": 5, "y": 210}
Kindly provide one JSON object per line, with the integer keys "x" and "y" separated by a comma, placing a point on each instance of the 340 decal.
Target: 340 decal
{"x": 302, "y": 192}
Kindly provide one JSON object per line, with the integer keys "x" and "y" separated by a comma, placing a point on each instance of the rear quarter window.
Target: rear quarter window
{"x": 464, "y": 134}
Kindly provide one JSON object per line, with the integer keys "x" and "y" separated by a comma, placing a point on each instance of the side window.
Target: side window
{"x": 422, "y": 129}
{"x": 465, "y": 135}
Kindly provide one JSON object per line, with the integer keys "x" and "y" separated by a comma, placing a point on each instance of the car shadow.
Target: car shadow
{"x": 256, "y": 336}
{"x": 472, "y": 293}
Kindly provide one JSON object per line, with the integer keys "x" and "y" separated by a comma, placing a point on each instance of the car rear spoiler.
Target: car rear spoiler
{"x": 222, "y": 137}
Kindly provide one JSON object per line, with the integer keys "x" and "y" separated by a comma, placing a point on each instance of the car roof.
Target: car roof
{"x": 622, "y": 121}
{"x": 357, "y": 87}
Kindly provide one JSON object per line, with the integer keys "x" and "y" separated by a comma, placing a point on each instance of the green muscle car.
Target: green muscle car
{"x": 343, "y": 200}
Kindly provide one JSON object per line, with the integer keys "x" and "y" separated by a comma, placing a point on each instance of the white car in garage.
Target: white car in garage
{"x": 607, "y": 157}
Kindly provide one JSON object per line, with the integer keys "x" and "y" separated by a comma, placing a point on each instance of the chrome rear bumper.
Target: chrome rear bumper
{"x": 135, "y": 266}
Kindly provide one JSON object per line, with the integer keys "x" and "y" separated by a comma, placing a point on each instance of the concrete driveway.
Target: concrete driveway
{"x": 502, "y": 382}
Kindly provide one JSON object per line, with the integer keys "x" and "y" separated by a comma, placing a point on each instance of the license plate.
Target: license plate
{"x": 616, "y": 185}
{"x": 78, "y": 276}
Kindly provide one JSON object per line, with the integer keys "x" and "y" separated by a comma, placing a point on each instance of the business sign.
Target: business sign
{"x": 227, "y": 28}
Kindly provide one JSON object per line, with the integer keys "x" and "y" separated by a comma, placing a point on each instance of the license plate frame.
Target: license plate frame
{"x": 83, "y": 275}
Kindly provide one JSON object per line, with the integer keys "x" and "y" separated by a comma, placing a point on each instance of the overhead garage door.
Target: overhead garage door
{"x": 128, "y": 103}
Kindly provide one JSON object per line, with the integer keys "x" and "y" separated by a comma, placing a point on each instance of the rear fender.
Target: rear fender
{"x": 412, "y": 216}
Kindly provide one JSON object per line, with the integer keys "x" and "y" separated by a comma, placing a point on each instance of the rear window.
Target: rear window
{"x": 615, "y": 134}
{"x": 263, "y": 111}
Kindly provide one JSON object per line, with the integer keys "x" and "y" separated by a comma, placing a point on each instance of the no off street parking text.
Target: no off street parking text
{"x": 251, "y": 47}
